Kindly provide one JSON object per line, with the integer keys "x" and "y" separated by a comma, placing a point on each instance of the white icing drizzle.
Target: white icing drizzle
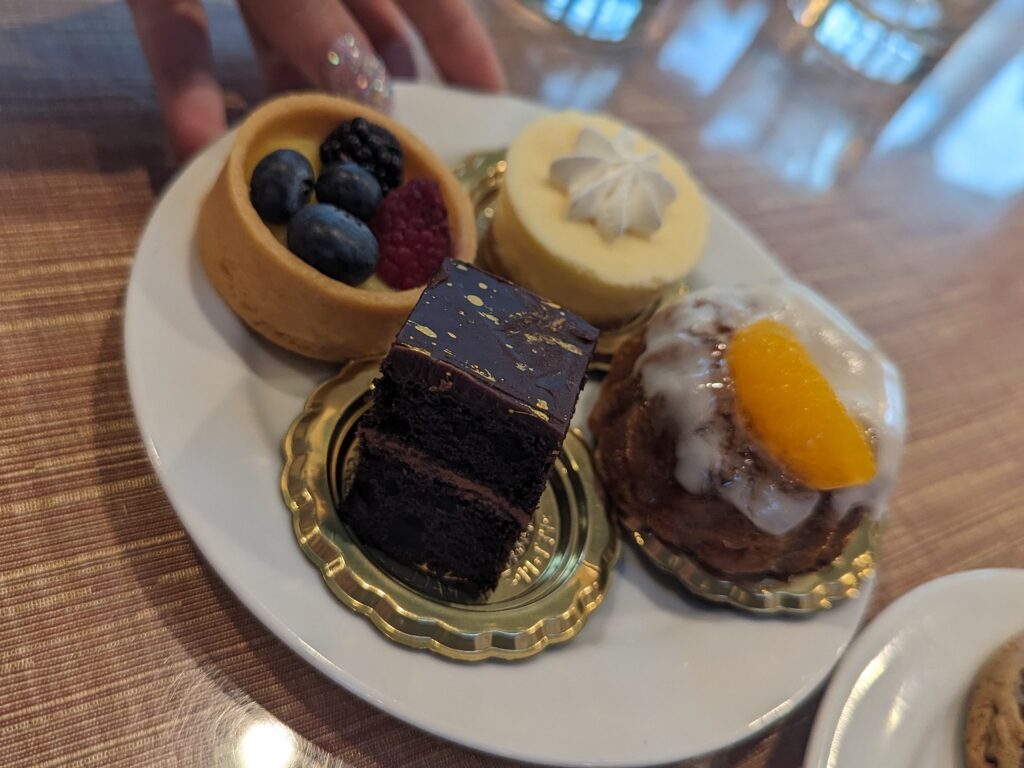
{"x": 611, "y": 183}
{"x": 683, "y": 368}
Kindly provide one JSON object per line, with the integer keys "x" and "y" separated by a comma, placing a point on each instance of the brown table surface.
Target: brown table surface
{"x": 119, "y": 646}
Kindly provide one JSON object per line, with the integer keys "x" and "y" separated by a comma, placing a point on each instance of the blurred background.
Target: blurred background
{"x": 877, "y": 146}
{"x": 805, "y": 88}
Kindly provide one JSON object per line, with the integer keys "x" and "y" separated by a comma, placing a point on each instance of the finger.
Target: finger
{"x": 175, "y": 39}
{"x": 457, "y": 41}
{"x": 322, "y": 41}
{"x": 386, "y": 28}
{"x": 278, "y": 74}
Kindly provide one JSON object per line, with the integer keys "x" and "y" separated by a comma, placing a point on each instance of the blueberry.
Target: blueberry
{"x": 351, "y": 188}
{"x": 280, "y": 185}
{"x": 334, "y": 242}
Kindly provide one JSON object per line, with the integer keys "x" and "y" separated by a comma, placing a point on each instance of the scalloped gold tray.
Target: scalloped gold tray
{"x": 804, "y": 593}
{"x": 557, "y": 575}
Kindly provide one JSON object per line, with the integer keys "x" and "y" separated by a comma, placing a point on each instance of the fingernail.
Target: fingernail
{"x": 398, "y": 57}
{"x": 351, "y": 71}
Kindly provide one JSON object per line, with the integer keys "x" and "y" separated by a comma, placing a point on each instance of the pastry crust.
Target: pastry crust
{"x": 994, "y": 731}
{"x": 277, "y": 294}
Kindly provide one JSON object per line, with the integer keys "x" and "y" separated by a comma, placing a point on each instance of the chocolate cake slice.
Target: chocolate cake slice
{"x": 469, "y": 413}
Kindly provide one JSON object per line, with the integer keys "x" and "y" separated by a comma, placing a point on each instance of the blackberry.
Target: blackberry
{"x": 369, "y": 145}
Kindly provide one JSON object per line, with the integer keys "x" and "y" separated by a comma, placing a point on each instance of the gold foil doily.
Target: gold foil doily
{"x": 842, "y": 579}
{"x": 557, "y": 575}
{"x": 482, "y": 175}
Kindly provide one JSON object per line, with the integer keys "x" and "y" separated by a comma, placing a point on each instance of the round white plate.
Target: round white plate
{"x": 898, "y": 697}
{"x": 654, "y": 676}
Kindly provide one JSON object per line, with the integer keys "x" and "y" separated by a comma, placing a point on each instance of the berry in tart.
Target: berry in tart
{"x": 280, "y": 185}
{"x": 370, "y": 145}
{"x": 351, "y": 188}
{"x": 413, "y": 234}
{"x": 333, "y": 242}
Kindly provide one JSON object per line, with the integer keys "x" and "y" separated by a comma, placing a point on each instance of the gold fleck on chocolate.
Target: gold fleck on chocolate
{"x": 462, "y": 267}
{"x": 419, "y": 350}
{"x": 522, "y": 366}
{"x": 488, "y": 316}
{"x": 483, "y": 286}
{"x": 475, "y": 300}
{"x": 533, "y": 338}
{"x": 452, "y": 335}
{"x": 542, "y": 404}
{"x": 540, "y": 414}
{"x": 425, "y": 331}
{"x": 483, "y": 373}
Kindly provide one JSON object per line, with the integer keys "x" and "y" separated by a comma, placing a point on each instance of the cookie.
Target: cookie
{"x": 994, "y": 732}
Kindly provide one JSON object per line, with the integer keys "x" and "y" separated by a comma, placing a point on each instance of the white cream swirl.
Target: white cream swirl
{"x": 683, "y": 368}
{"x": 613, "y": 184}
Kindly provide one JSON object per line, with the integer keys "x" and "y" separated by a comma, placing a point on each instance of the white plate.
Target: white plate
{"x": 897, "y": 699}
{"x": 654, "y": 677}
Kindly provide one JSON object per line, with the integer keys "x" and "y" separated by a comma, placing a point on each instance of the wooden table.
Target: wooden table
{"x": 119, "y": 646}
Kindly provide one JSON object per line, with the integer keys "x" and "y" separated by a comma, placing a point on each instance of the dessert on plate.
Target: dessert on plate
{"x": 752, "y": 428}
{"x": 469, "y": 413}
{"x": 596, "y": 216}
{"x": 325, "y": 223}
{"x": 994, "y": 730}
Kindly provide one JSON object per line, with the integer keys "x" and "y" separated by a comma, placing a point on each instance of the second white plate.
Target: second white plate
{"x": 654, "y": 677}
{"x": 898, "y": 698}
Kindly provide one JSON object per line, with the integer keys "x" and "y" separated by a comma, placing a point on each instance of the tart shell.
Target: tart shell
{"x": 277, "y": 294}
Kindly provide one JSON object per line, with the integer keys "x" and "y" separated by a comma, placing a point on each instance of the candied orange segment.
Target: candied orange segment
{"x": 792, "y": 411}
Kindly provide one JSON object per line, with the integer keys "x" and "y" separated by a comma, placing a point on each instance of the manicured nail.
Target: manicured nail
{"x": 358, "y": 74}
{"x": 398, "y": 58}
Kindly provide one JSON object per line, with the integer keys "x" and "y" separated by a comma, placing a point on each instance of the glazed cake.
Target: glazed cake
{"x": 469, "y": 413}
{"x": 753, "y": 428}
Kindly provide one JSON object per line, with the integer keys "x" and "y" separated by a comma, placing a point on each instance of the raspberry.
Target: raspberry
{"x": 371, "y": 146}
{"x": 411, "y": 227}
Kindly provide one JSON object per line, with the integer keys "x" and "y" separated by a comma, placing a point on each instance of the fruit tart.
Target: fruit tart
{"x": 325, "y": 223}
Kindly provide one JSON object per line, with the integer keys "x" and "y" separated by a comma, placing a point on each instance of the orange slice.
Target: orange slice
{"x": 792, "y": 410}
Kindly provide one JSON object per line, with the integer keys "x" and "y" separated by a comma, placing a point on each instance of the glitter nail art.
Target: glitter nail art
{"x": 350, "y": 71}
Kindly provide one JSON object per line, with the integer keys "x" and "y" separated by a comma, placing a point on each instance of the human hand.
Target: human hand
{"x": 343, "y": 47}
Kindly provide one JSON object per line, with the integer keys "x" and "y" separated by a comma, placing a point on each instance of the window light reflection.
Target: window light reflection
{"x": 710, "y": 40}
{"x": 981, "y": 150}
{"x": 266, "y": 744}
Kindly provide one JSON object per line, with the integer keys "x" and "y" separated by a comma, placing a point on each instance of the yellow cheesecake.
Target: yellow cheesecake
{"x": 549, "y": 228}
